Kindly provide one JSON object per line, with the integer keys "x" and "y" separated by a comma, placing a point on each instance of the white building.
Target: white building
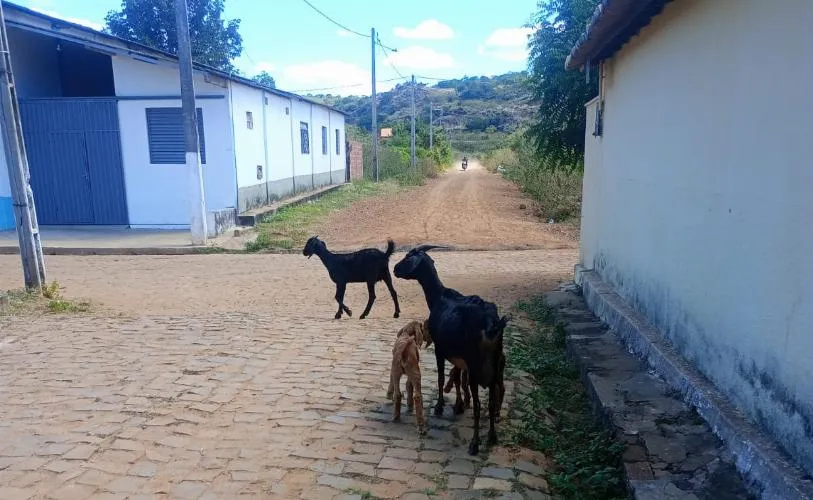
{"x": 102, "y": 124}
{"x": 697, "y": 206}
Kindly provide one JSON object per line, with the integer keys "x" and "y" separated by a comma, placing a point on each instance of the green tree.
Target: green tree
{"x": 265, "y": 79}
{"x": 216, "y": 42}
{"x": 558, "y": 133}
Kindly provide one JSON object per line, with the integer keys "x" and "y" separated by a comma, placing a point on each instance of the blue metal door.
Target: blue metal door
{"x": 74, "y": 154}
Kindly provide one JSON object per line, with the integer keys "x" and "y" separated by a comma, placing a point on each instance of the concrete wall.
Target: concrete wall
{"x": 321, "y": 161}
{"x": 282, "y": 147}
{"x": 158, "y": 195}
{"x": 303, "y": 162}
{"x": 249, "y": 146}
{"x": 697, "y": 198}
{"x": 338, "y": 162}
{"x": 6, "y": 210}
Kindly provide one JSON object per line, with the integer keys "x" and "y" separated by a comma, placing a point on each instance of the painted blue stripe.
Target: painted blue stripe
{"x": 6, "y": 214}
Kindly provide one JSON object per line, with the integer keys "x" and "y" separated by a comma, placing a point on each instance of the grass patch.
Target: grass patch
{"x": 289, "y": 227}
{"x": 23, "y": 302}
{"x": 556, "y": 418}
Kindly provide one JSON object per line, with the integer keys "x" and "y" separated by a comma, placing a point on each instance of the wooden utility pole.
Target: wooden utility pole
{"x": 25, "y": 213}
{"x": 375, "y": 114}
{"x": 412, "y": 143}
{"x": 190, "y": 121}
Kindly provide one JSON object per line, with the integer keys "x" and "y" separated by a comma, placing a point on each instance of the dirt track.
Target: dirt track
{"x": 468, "y": 210}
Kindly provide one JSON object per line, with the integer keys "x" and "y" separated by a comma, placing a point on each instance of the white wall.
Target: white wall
{"x": 321, "y": 118}
{"x": 281, "y": 151}
{"x": 338, "y": 162}
{"x": 303, "y": 163}
{"x": 249, "y": 143}
{"x": 158, "y": 195}
{"x": 697, "y": 203}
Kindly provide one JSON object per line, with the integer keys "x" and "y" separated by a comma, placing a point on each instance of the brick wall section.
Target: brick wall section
{"x": 356, "y": 160}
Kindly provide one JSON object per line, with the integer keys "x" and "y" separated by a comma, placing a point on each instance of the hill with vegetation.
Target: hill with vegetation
{"x": 473, "y": 112}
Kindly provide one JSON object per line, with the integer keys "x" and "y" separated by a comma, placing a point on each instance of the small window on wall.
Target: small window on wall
{"x": 324, "y": 140}
{"x": 304, "y": 138}
{"x": 165, "y": 136}
{"x": 338, "y": 143}
{"x": 249, "y": 120}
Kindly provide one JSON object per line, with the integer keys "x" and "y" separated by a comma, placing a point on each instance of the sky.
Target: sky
{"x": 305, "y": 52}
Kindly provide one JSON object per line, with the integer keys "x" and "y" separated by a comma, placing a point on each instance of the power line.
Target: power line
{"x": 347, "y": 86}
{"x": 337, "y": 23}
{"x": 387, "y": 58}
{"x": 342, "y": 26}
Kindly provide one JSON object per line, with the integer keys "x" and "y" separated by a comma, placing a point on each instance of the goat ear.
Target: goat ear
{"x": 505, "y": 319}
{"x": 426, "y": 248}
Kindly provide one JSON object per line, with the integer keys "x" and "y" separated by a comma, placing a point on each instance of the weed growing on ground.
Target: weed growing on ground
{"x": 364, "y": 494}
{"x": 556, "y": 418}
{"x": 289, "y": 227}
{"x": 22, "y": 302}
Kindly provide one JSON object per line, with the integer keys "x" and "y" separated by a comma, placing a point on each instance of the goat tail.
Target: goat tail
{"x": 390, "y": 248}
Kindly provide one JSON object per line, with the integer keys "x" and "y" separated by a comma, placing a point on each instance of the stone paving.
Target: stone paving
{"x": 217, "y": 406}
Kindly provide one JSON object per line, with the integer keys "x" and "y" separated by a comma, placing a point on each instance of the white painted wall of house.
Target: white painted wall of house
{"x": 321, "y": 158}
{"x": 303, "y": 163}
{"x": 339, "y": 161}
{"x": 281, "y": 149}
{"x": 248, "y": 143}
{"x": 697, "y": 204}
{"x": 158, "y": 195}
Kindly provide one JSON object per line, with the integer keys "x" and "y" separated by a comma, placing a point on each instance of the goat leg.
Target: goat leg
{"x": 464, "y": 380}
{"x": 395, "y": 383}
{"x": 500, "y": 385}
{"x": 441, "y": 367}
{"x": 414, "y": 393}
{"x": 493, "y": 410}
{"x": 388, "y": 282}
{"x": 370, "y": 300}
{"x": 410, "y": 393}
{"x": 474, "y": 445}
{"x": 340, "y": 289}
{"x": 458, "y": 402}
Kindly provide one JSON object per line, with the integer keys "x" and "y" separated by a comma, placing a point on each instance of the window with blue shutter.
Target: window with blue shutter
{"x": 165, "y": 136}
{"x": 304, "y": 138}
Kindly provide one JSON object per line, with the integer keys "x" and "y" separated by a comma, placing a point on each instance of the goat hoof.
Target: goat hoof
{"x": 396, "y": 418}
{"x": 459, "y": 409}
{"x": 492, "y": 439}
{"x": 389, "y": 396}
{"x": 474, "y": 448}
{"x": 338, "y": 316}
{"x": 422, "y": 430}
{"x": 396, "y": 315}
{"x": 439, "y": 410}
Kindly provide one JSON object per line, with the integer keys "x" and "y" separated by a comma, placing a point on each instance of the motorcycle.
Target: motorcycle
{"x": 465, "y": 164}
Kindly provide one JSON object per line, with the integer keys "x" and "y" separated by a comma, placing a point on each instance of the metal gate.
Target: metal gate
{"x": 74, "y": 155}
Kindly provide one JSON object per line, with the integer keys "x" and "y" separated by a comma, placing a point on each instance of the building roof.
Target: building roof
{"x": 614, "y": 23}
{"x": 16, "y": 16}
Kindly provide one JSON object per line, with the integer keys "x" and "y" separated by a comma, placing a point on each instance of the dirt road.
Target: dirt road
{"x": 468, "y": 210}
{"x": 215, "y": 376}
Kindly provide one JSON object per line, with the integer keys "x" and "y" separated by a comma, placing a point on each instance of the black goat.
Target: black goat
{"x": 466, "y": 330}
{"x": 369, "y": 265}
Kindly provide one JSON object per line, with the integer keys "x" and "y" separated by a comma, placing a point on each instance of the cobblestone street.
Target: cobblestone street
{"x": 219, "y": 376}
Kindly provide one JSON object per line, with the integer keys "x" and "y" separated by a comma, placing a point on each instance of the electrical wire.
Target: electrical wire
{"x": 387, "y": 58}
{"x": 347, "y": 86}
{"x": 337, "y": 23}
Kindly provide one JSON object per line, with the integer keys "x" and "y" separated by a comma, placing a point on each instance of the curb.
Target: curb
{"x": 251, "y": 220}
{"x": 758, "y": 458}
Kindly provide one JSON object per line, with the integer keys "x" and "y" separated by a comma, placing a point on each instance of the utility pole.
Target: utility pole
{"x": 375, "y": 114}
{"x": 414, "y": 160}
{"x": 190, "y": 122}
{"x": 25, "y": 213}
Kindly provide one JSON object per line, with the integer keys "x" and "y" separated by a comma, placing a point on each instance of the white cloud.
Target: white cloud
{"x": 324, "y": 74}
{"x": 417, "y": 57}
{"x": 343, "y": 33}
{"x": 264, "y": 66}
{"x": 430, "y": 29}
{"x": 76, "y": 20}
{"x": 507, "y": 44}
